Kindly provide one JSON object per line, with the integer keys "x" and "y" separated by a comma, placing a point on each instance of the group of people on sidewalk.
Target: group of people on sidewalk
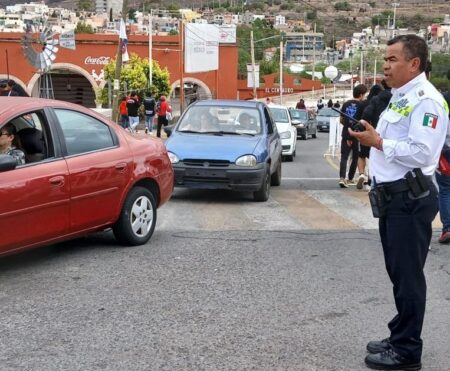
{"x": 130, "y": 107}
{"x": 369, "y": 110}
{"x": 406, "y": 132}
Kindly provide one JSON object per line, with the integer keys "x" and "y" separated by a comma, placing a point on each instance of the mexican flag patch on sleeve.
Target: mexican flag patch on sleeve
{"x": 430, "y": 120}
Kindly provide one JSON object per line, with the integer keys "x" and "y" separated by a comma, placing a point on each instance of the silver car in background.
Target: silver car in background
{"x": 323, "y": 118}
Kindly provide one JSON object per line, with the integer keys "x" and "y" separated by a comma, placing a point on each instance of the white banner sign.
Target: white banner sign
{"x": 250, "y": 75}
{"x": 67, "y": 40}
{"x": 227, "y": 34}
{"x": 201, "y": 47}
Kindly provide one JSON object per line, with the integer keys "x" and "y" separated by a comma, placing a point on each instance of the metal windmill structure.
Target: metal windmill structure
{"x": 41, "y": 57}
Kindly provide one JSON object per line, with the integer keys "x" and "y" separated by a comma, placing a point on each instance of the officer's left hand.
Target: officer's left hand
{"x": 369, "y": 137}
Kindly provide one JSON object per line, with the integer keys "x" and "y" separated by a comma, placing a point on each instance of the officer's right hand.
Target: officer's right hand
{"x": 368, "y": 137}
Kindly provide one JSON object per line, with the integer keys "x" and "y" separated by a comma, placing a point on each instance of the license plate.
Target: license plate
{"x": 207, "y": 173}
{"x": 324, "y": 126}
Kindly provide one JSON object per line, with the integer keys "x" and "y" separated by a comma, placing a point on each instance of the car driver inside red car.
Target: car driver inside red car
{"x": 7, "y": 135}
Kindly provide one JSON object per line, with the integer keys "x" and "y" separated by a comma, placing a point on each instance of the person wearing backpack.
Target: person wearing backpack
{"x": 149, "y": 111}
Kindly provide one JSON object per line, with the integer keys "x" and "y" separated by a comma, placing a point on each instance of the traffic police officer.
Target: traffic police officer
{"x": 405, "y": 151}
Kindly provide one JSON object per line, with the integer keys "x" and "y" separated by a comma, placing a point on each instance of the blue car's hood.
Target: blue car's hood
{"x": 211, "y": 147}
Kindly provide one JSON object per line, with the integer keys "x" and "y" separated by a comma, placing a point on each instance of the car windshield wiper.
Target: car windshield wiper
{"x": 234, "y": 133}
{"x": 190, "y": 131}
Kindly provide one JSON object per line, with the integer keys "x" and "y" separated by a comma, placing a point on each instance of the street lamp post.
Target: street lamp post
{"x": 395, "y": 5}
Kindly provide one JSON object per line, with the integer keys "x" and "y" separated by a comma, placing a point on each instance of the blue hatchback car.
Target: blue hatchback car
{"x": 226, "y": 144}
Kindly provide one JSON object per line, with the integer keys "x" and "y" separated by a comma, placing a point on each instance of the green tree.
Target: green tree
{"x": 311, "y": 15}
{"x": 174, "y": 10}
{"x": 343, "y": 6}
{"x": 135, "y": 75}
{"x": 440, "y": 64}
{"x": 83, "y": 27}
{"x": 85, "y": 5}
{"x": 270, "y": 66}
{"x": 132, "y": 14}
{"x": 260, "y": 31}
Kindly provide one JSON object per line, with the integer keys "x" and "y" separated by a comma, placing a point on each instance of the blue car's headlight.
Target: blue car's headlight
{"x": 247, "y": 160}
{"x": 285, "y": 135}
{"x": 173, "y": 158}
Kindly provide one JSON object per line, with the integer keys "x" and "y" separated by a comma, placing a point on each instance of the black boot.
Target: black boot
{"x": 378, "y": 346}
{"x": 390, "y": 360}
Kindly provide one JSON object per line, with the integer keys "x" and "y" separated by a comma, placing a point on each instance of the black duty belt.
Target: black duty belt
{"x": 397, "y": 186}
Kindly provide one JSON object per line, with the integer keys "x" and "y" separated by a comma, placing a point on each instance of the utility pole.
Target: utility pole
{"x": 281, "y": 71}
{"x": 361, "y": 71}
{"x": 375, "y": 72}
{"x": 181, "y": 31}
{"x": 314, "y": 54}
{"x": 116, "y": 85}
{"x": 150, "y": 50}
{"x": 252, "y": 53}
{"x": 395, "y": 5}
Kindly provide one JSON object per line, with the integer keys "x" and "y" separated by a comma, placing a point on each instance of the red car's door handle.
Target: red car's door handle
{"x": 121, "y": 166}
{"x": 57, "y": 181}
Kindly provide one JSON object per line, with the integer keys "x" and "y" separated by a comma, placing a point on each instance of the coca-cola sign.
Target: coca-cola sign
{"x": 97, "y": 60}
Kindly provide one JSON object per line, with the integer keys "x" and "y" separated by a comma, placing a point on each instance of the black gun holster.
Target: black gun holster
{"x": 414, "y": 182}
{"x": 379, "y": 200}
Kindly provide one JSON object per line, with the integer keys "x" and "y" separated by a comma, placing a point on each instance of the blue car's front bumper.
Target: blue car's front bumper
{"x": 231, "y": 177}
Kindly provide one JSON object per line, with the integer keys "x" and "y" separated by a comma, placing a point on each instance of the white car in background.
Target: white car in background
{"x": 288, "y": 132}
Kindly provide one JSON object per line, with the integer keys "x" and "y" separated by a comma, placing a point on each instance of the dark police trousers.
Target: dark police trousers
{"x": 405, "y": 233}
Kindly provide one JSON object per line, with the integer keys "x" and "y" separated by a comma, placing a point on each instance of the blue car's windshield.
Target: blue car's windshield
{"x": 220, "y": 120}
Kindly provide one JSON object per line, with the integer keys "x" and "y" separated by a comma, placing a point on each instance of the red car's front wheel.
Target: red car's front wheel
{"x": 137, "y": 219}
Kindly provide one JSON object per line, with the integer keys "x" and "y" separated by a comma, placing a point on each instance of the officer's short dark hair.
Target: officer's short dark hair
{"x": 359, "y": 90}
{"x": 414, "y": 47}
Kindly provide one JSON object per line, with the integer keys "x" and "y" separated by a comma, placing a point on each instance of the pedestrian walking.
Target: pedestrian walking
{"x": 149, "y": 111}
{"x": 123, "y": 111}
{"x": 301, "y": 104}
{"x": 320, "y": 104}
{"x": 363, "y": 151}
{"x": 133, "y": 110}
{"x": 163, "y": 109}
{"x": 405, "y": 150}
{"x": 350, "y": 145}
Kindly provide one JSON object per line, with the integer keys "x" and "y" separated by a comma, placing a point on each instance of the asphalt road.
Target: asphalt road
{"x": 225, "y": 283}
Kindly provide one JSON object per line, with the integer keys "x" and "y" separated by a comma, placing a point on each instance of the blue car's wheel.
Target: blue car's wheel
{"x": 263, "y": 193}
{"x": 275, "y": 179}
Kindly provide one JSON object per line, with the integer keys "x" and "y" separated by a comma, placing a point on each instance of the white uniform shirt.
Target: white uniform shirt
{"x": 413, "y": 128}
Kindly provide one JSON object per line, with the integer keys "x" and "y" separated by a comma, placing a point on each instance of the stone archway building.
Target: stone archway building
{"x": 93, "y": 51}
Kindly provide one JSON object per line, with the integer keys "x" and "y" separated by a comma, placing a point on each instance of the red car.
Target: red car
{"x": 82, "y": 173}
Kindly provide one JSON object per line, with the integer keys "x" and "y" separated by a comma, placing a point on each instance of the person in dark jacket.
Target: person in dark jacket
{"x": 349, "y": 144}
{"x": 372, "y": 111}
{"x": 149, "y": 110}
{"x": 377, "y": 105}
{"x": 300, "y": 104}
